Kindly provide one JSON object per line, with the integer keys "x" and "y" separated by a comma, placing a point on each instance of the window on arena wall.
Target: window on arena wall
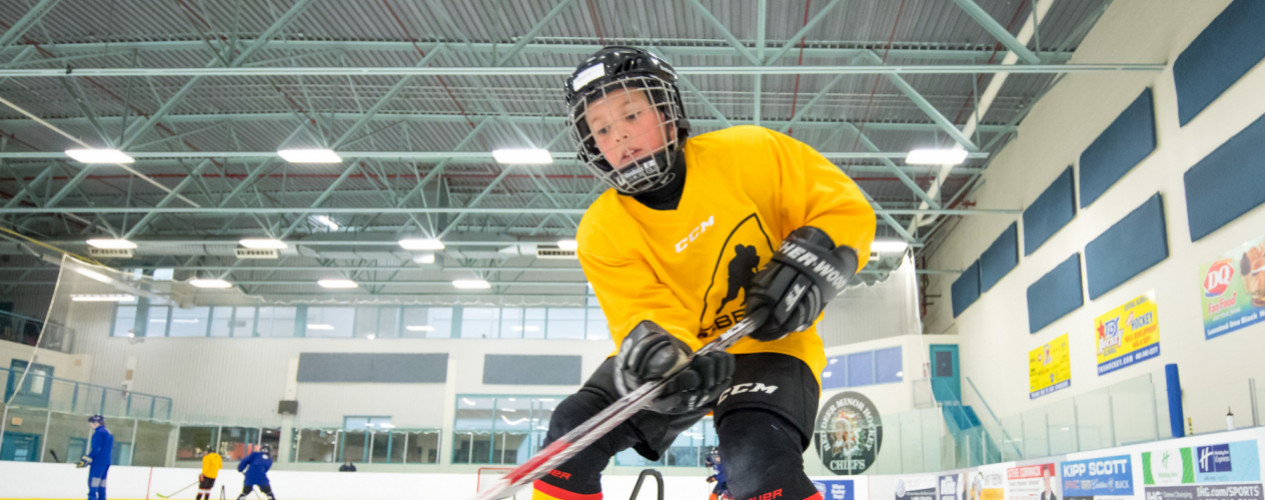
{"x": 500, "y": 429}
{"x": 378, "y": 322}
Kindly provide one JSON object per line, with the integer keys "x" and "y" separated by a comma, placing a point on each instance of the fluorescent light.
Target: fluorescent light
{"x": 328, "y": 222}
{"x": 386, "y": 425}
{"x": 103, "y": 297}
{"x": 319, "y": 326}
{"x": 111, "y": 243}
{"x": 427, "y": 257}
{"x": 936, "y": 157}
{"x": 472, "y": 284}
{"x": 309, "y": 155}
{"x": 99, "y": 156}
{"x": 371, "y": 336}
{"x": 94, "y": 275}
{"x": 529, "y": 328}
{"x": 523, "y": 156}
{"x": 888, "y": 246}
{"x": 210, "y": 283}
{"x": 419, "y": 328}
{"x": 184, "y": 320}
{"x": 337, "y": 283}
{"x": 421, "y": 244}
{"x": 568, "y": 244}
{"x": 263, "y": 244}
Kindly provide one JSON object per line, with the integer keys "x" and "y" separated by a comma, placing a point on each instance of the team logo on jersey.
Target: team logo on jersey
{"x": 849, "y": 433}
{"x": 745, "y": 248}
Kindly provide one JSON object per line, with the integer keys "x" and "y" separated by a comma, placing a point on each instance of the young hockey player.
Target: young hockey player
{"x": 721, "y": 490}
{"x": 668, "y": 250}
{"x": 256, "y": 466}
{"x": 211, "y": 465}
{"x": 100, "y": 454}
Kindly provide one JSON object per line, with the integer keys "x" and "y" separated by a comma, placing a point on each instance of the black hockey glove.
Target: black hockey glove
{"x": 794, "y": 287}
{"x": 649, "y": 353}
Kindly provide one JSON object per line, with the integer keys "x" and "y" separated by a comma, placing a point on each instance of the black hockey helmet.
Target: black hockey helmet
{"x": 96, "y": 419}
{"x": 626, "y": 68}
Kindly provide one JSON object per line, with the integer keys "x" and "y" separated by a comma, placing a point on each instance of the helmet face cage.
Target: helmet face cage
{"x": 636, "y": 119}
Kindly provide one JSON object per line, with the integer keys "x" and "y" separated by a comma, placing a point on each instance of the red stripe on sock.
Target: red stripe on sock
{"x": 562, "y": 494}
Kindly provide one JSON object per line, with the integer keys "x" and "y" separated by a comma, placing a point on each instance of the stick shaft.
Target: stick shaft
{"x": 599, "y": 425}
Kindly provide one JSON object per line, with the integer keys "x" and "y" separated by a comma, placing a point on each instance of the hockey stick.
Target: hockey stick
{"x": 54, "y": 454}
{"x": 598, "y": 425}
{"x": 160, "y": 495}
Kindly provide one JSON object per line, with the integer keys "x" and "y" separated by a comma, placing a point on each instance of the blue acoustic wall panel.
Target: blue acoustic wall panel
{"x": 515, "y": 369}
{"x": 1127, "y": 248}
{"x": 1228, "y": 182}
{"x": 965, "y": 289}
{"x": 1054, "y": 295}
{"x": 1000, "y": 258}
{"x": 1049, "y": 212}
{"x": 1219, "y": 56}
{"x": 372, "y": 368}
{"x": 1121, "y": 146}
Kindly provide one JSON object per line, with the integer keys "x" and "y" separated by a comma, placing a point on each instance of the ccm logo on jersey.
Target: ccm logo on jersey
{"x": 695, "y": 233}
{"x": 747, "y": 387}
{"x": 822, "y": 268}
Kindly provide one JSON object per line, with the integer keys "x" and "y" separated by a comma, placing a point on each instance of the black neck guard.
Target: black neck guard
{"x": 667, "y": 196}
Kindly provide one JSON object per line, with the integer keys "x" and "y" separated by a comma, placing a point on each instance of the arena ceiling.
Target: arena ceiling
{"x": 414, "y": 95}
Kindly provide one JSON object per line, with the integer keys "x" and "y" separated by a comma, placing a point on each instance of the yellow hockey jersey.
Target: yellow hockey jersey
{"x": 211, "y": 464}
{"x": 746, "y": 189}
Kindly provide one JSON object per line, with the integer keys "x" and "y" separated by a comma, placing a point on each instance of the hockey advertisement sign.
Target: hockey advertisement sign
{"x": 1032, "y": 482}
{"x": 1220, "y": 471}
{"x": 1049, "y": 368}
{"x": 849, "y": 433}
{"x": 1106, "y": 478}
{"x": 1233, "y": 289}
{"x": 1128, "y": 334}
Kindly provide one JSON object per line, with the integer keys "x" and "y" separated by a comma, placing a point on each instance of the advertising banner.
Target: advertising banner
{"x": 1032, "y": 482}
{"x": 1049, "y": 368}
{"x": 1101, "y": 478}
{"x": 1222, "y": 471}
{"x": 835, "y": 489}
{"x": 1128, "y": 334}
{"x": 1234, "y": 289}
{"x": 916, "y": 488}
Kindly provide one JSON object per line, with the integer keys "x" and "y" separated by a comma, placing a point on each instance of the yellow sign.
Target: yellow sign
{"x": 1128, "y": 334}
{"x": 1049, "y": 368}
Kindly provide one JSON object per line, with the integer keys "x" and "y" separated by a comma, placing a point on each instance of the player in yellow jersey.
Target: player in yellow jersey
{"x": 696, "y": 234}
{"x": 212, "y": 462}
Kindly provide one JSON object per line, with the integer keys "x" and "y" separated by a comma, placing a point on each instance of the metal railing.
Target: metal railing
{"x": 57, "y": 394}
{"x": 27, "y": 330}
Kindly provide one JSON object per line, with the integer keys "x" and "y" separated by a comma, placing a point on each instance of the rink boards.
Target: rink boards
{"x": 1217, "y": 466}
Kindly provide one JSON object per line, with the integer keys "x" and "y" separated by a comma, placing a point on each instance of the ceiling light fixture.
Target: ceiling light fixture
{"x": 319, "y": 326}
{"x": 568, "y": 245}
{"x": 472, "y": 284}
{"x": 421, "y": 244}
{"x": 317, "y": 155}
{"x": 210, "y": 283}
{"x": 888, "y": 246}
{"x": 337, "y": 283}
{"x": 103, "y": 297}
{"x": 263, "y": 244}
{"x": 111, "y": 243}
{"x": 522, "y": 156}
{"x": 99, "y": 156}
{"x": 935, "y": 157}
{"x": 326, "y": 221}
{"x": 419, "y": 328}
